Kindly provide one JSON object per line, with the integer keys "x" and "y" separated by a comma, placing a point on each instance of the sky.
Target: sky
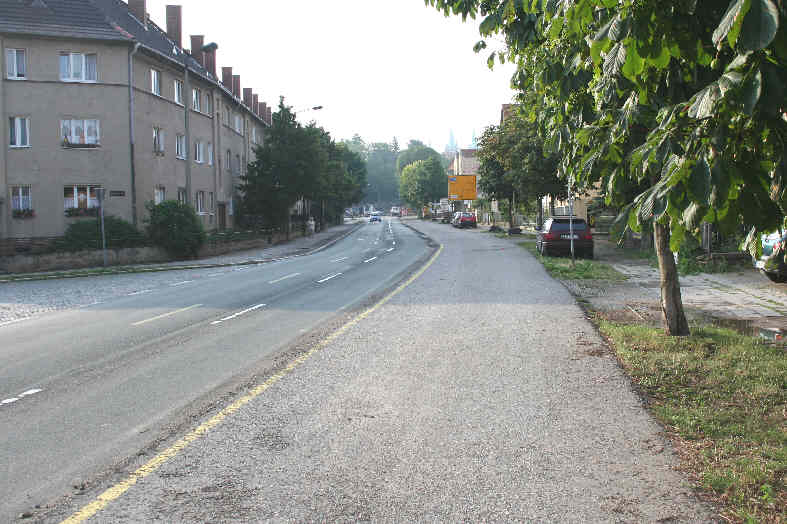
{"x": 379, "y": 68}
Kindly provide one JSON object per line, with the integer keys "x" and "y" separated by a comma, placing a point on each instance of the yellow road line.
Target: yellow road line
{"x": 153, "y": 464}
{"x": 165, "y": 315}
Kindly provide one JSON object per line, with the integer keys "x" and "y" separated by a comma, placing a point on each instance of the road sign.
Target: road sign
{"x": 462, "y": 187}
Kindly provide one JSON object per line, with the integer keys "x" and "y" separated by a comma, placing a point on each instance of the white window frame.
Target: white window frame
{"x": 159, "y": 140}
{"x": 210, "y": 154}
{"x": 238, "y": 124}
{"x": 15, "y": 134}
{"x": 208, "y": 104}
{"x": 20, "y": 202}
{"x": 159, "y": 194}
{"x": 91, "y": 202}
{"x": 12, "y": 64}
{"x": 254, "y": 134}
{"x": 181, "y": 195}
{"x": 178, "y": 96}
{"x": 196, "y": 99}
{"x": 199, "y": 152}
{"x": 228, "y": 161}
{"x": 82, "y": 60}
{"x": 211, "y": 202}
{"x": 155, "y": 82}
{"x": 180, "y": 147}
{"x": 73, "y": 138}
{"x": 199, "y": 202}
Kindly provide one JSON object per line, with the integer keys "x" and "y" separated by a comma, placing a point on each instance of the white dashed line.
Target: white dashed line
{"x": 283, "y": 278}
{"x": 20, "y": 396}
{"x": 369, "y": 260}
{"x": 139, "y": 292}
{"x": 389, "y": 250}
{"x": 239, "y": 313}
{"x": 340, "y": 259}
{"x": 181, "y": 283}
{"x": 165, "y": 315}
{"x": 8, "y": 401}
{"x": 30, "y": 392}
{"x": 328, "y": 278}
{"x": 215, "y": 274}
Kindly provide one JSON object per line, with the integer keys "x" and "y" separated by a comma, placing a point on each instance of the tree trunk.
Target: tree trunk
{"x": 672, "y": 315}
{"x": 540, "y": 216}
{"x": 510, "y": 212}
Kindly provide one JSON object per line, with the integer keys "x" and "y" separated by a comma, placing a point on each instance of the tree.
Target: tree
{"x": 685, "y": 100}
{"x": 422, "y": 182}
{"x": 416, "y": 150}
{"x": 381, "y": 165}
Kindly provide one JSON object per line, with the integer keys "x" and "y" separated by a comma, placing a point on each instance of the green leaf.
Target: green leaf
{"x": 555, "y": 27}
{"x": 634, "y": 63}
{"x": 490, "y": 62}
{"x": 759, "y": 26}
{"x": 614, "y": 60}
{"x": 479, "y": 46}
{"x": 663, "y": 58}
{"x": 677, "y": 236}
{"x": 693, "y": 215}
{"x": 596, "y": 48}
{"x": 702, "y": 103}
{"x": 727, "y": 22}
{"x": 700, "y": 181}
{"x": 752, "y": 89}
{"x": 490, "y": 25}
{"x": 619, "y": 28}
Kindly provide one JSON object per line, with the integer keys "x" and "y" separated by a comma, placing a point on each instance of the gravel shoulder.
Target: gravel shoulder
{"x": 480, "y": 392}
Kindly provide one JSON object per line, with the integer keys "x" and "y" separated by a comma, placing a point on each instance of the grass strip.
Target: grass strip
{"x": 724, "y": 395}
{"x": 560, "y": 267}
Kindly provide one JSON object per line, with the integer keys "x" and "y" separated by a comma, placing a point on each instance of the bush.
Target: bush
{"x": 175, "y": 227}
{"x": 86, "y": 234}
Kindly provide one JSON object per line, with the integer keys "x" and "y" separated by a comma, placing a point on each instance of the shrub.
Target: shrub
{"x": 86, "y": 234}
{"x": 175, "y": 227}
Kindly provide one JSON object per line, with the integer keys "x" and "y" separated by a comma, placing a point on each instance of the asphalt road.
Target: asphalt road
{"x": 84, "y": 389}
{"x": 477, "y": 393}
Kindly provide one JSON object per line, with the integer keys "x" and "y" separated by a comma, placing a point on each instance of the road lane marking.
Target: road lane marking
{"x": 369, "y": 260}
{"x": 328, "y": 278}
{"x": 139, "y": 292}
{"x": 13, "y": 321}
{"x": 340, "y": 259}
{"x": 115, "y": 492}
{"x": 181, "y": 283}
{"x": 239, "y": 313}
{"x": 8, "y": 401}
{"x": 30, "y": 392}
{"x": 165, "y": 315}
{"x": 283, "y": 278}
{"x": 389, "y": 250}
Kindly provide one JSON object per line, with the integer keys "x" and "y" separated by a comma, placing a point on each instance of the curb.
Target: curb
{"x": 159, "y": 269}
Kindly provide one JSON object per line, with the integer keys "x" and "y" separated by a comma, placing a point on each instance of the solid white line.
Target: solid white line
{"x": 215, "y": 274}
{"x": 140, "y": 292}
{"x": 165, "y": 315}
{"x": 30, "y": 392}
{"x": 181, "y": 283}
{"x": 239, "y": 313}
{"x": 13, "y": 321}
{"x": 328, "y": 278}
{"x": 389, "y": 250}
{"x": 340, "y": 259}
{"x": 369, "y": 260}
{"x": 283, "y": 278}
{"x": 9, "y": 401}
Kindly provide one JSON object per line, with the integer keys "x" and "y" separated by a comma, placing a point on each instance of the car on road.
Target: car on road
{"x": 771, "y": 263}
{"x": 375, "y": 217}
{"x": 464, "y": 219}
{"x": 555, "y": 237}
{"x": 395, "y": 211}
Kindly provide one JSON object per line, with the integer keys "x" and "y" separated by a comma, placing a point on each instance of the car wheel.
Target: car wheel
{"x": 776, "y": 277}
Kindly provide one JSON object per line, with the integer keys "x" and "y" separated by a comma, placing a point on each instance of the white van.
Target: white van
{"x": 395, "y": 211}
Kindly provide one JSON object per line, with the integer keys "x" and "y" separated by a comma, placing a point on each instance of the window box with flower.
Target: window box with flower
{"x": 24, "y": 213}
{"x": 82, "y": 212}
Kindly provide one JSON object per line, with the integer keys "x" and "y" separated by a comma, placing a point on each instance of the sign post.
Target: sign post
{"x": 100, "y": 197}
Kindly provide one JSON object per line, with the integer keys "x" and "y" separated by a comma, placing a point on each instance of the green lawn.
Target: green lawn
{"x": 560, "y": 267}
{"x": 725, "y": 396}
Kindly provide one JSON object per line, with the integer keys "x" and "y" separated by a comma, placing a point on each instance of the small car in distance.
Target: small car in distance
{"x": 464, "y": 219}
{"x": 555, "y": 237}
{"x": 375, "y": 217}
{"x": 771, "y": 263}
{"x": 396, "y": 212}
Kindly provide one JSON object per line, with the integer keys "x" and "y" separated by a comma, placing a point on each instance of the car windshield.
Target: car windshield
{"x": 563, "y": 225}
{"x": 467, "y": 215}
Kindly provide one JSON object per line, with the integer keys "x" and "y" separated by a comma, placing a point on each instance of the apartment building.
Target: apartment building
{"x": 95, "y": 95}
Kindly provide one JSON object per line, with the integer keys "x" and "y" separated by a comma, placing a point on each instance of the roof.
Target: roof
{"x": 66, "y": 18}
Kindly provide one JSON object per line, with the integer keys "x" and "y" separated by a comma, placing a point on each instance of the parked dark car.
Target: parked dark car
{"x": 771, "y": 263}
{"x": 555, "y": 237}
{"x": 462, "y": 219}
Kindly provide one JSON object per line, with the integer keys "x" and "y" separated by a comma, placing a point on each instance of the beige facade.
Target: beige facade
{"x": 63, "y": 138}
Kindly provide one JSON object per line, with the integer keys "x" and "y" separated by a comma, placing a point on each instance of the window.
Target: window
{"x": 181, "y": 195}
{"x": 237, "y": 164}
{"x": 15, "y": 64}
{"x": 196, "y": 99}
{"x": 155, "y": 82}
{"x": 180, "y": 147}
{"x": 78, "y": 132}
{"x": 78, "y": 67}
{"x": 238, "y": 124}
{"x": 208, "y": 105}
{"x": 254, "y": 135}
{"x": 210, "y": 154}
{"x": 158, "y": 141}
{"x": 211, "y": 202}
{"x": 20, "y": 198}
{"x": 80, "y": 197}
{"x": 178, "y": 92}
{"x": 199, "y": 152}
{"x": 200, "y": 202}
{"x": 19, "y": 127}
{"x": 227, "y": 114}
{"x": 228, "y": 161}
{"x": 159, "y": 195}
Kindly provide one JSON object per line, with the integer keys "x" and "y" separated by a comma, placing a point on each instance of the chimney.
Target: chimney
{"x": 255, "y": 104}
{"x": 268, "y": 116}
{"x": 226, "y": 77}
{"x": 236, "y": 85}
{"x": 174, "y": 25}
{"x": 197, "y": 41}
{"x": 263, "y": 110}
{"x": 247, "y": 96}
{"x": 138, "y": 8}
{"x": 210, "y": 62}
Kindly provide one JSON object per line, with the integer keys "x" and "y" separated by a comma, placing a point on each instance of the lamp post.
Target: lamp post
{"x": 100, "y": 198}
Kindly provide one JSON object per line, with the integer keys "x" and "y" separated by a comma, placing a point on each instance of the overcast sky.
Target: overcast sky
{"x": 379, "y": 68}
